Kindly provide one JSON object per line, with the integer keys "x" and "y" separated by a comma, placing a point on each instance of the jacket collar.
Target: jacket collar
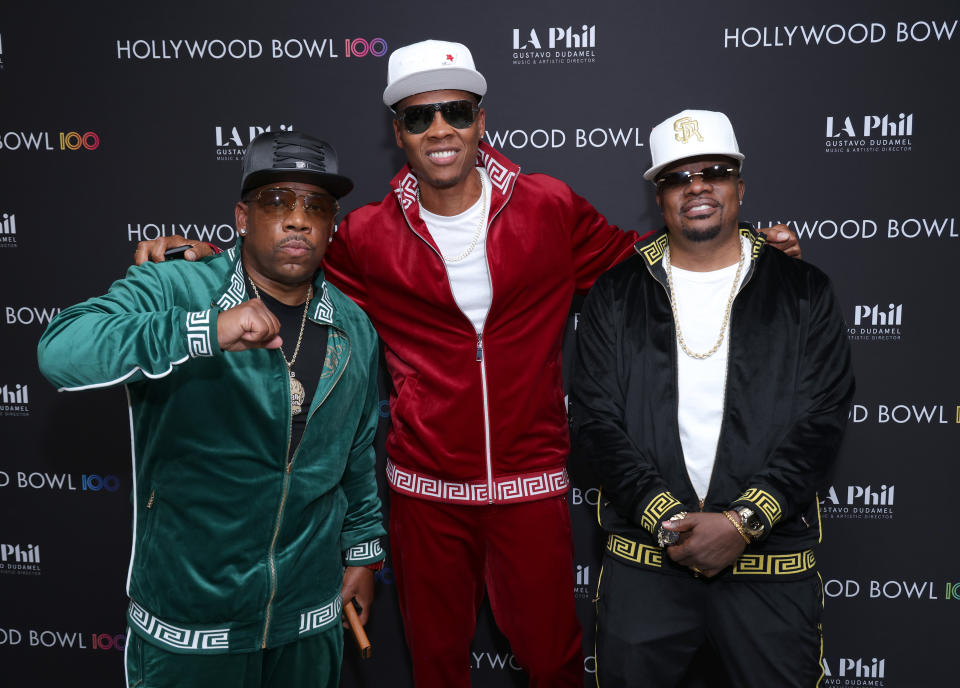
{"x": 651, "y": 247}
{"x": 502, "y": 172}
{"x": 233, "y": 292}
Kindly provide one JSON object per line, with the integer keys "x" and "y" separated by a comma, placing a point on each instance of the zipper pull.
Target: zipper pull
{"x": 701, "y": 505}
{"x": 479, "y": 347}
{"x": 153, "y": 494}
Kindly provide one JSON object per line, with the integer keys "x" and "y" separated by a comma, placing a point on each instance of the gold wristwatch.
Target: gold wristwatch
{"x": 752, "y": 523}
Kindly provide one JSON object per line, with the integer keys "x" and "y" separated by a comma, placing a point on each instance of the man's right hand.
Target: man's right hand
{"x": 153, "y": 250}
{"x": 248, "y": 326}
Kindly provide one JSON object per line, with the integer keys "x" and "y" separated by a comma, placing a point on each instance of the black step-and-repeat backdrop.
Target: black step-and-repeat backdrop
{"x": 125, "y": 122}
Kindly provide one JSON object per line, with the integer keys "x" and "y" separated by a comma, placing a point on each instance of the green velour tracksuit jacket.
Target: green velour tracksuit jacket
{"x": 235, "y": 549}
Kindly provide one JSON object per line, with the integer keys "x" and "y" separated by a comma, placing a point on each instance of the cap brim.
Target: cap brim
{"x": 336, "y": 184}
{"x": 441, "y": 79}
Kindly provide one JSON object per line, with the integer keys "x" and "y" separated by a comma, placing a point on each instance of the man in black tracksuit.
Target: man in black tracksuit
{"x": 711, "y": 393}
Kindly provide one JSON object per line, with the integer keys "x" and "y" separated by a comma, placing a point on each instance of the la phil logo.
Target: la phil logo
{"x": 19, "y": 560}
{"x": 876, "y": 323}
{"x": 869, "y": 133}
{"x": 859, "y": 502}
{"x": 40, "y": 140}
{"x": 582, "y": 590}
{"x": 14, "y": 400}
{"x": 852, "y": 671}
{"x": 232, "y": 141}
{"x": 558, "y": 45}
{"x": 8, "y": 230}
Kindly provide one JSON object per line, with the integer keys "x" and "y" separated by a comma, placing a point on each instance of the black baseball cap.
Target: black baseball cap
{"x": 292, "y": 156}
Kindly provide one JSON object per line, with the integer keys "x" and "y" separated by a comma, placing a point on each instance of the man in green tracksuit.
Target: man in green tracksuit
{"x": 252, "y": 386}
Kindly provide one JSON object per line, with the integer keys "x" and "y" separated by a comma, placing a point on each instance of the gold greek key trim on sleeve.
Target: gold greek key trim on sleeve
{"x": 635, "y": 551}
{"x": 653, "y": 251}
{"x": 775, "y": 564}
{"x": 757, "y": 240}
{"x": 765, "y": 502}
{"x": 656, "y": 508}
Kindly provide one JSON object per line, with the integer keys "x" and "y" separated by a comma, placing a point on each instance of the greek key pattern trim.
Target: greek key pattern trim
{"x": 653, "y": 251}
{"x": 198, "y": 334}
{"x": 635, "y": 551}
{"x": 407, "y": 191}
{"x": 500, "y": 176}
{"x": 775, "y": 564}
{"x": 658, "y": 506}
{"x": 211, "y": 640}
{"x": 789, "y": 564}
{"x": 236, "y": 293}
{"x": 756, "y": 241}
{"x": 364, "y": 551}
{"x": 765, "y": 502}
{"x": 324, "y": 310}
{"x": 518, "y": 488}
{"x": 321, "y": 617}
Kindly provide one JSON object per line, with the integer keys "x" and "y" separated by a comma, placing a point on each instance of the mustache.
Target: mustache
{"x": 300, "y": 240}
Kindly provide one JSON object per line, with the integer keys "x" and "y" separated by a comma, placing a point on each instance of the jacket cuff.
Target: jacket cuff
{"x": 657, "y": 509}
{"x": 766, "y": 504}
{"x": 365, "y": 553}
{"x": 201, "y": 333}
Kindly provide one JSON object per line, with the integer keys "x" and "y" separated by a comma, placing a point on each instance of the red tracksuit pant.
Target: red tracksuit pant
{"x": 446, "y": 555}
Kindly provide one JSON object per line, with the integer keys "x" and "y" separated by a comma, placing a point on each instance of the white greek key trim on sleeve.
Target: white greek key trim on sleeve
{"x": 198, "y": 334}
{"x": 365, "y": 552}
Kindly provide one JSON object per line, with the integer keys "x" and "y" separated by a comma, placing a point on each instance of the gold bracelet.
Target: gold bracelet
{"x": 735, "y": 520}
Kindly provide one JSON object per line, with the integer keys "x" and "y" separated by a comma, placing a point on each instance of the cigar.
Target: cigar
{"x": 362, "y": 641}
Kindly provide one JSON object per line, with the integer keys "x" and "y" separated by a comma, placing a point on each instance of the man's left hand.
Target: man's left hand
{"x": 783, "y": 238}
{"x": 711, "y": 543}
{"x": 358, "y": 582}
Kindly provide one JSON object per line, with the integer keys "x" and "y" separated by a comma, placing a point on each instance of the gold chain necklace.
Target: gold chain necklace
{"x": 676, "y": 311}
{"x": 297, "y": 393}
{"x": 476, "y": 235}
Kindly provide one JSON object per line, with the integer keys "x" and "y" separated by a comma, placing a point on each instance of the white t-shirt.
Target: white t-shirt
{"x": 701, "y": 299}
{"x": 469, "y": 278}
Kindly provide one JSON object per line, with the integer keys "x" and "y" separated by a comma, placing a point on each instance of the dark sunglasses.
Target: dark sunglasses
{"x": 714, "y": 173}
{"x": 457, "y": 113}
{"x": 279, "y": 201}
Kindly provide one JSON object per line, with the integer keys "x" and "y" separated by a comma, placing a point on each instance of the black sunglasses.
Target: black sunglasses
{"x": 714, "y": 173}
{"x": 457, "y": 113}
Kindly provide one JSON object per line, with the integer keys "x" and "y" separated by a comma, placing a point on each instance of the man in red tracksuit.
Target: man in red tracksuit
{"x": 467, "y": 269}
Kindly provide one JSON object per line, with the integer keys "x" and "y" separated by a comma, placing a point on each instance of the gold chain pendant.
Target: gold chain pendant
{"x": 297, "y": 395}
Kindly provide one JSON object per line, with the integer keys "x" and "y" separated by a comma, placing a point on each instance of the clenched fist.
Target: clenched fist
{"x": 248, "y": 326}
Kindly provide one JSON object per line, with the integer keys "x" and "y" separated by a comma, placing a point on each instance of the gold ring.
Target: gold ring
{"x": 696, "y": 570}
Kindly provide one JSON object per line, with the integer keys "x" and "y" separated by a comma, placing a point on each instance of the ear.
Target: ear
{"x": 659, "y": 200}
{"x": 240, "y": 216}
{"x": 482, "y": 119}
{"x": 741, "y": 186}
{"x": 397, "y": 132}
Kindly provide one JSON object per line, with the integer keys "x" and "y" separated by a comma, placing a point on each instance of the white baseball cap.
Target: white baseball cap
{"x": 431, "y": 66}
{"x": 688, "y": 134}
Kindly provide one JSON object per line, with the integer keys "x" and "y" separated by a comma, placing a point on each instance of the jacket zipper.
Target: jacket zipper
{"x": 488, "y": 456}
{"x": 283, "y": 497}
